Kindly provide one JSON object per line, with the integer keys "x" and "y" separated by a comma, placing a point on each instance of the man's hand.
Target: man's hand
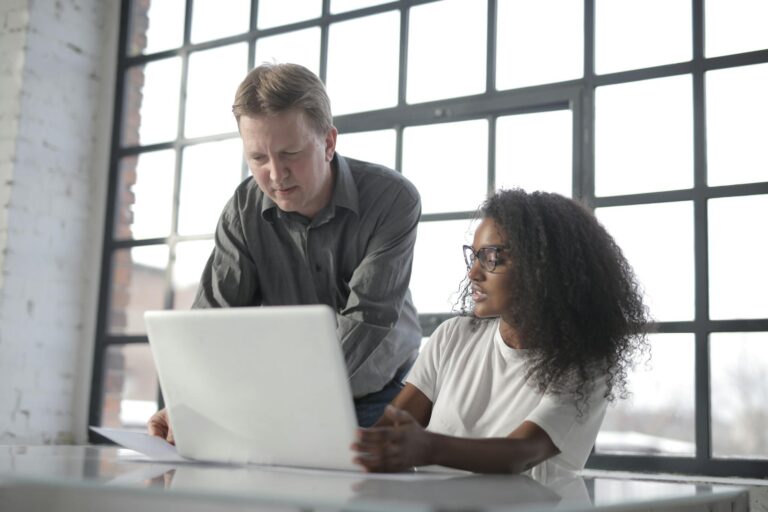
{"x": 399, "y": 447}
{"x": 158, "y": 425}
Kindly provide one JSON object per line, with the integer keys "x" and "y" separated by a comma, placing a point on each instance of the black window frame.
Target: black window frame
{"x": 577, "y": 95}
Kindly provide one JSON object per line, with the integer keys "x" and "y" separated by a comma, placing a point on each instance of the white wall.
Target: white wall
{"x": 57, "y": 72}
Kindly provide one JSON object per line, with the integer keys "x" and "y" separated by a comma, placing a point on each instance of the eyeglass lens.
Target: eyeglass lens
{"x": 487, "y": 256}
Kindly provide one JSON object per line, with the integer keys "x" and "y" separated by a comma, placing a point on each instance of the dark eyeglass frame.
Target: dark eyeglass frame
{"x": 482, "y": 255}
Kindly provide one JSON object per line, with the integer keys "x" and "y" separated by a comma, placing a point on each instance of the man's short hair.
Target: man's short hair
{"x": 271, "y": 89}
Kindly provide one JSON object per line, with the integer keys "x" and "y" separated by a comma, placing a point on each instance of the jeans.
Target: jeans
{"x": 370, "y": 407}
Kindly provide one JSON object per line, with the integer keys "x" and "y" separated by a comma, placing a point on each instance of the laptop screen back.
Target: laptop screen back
{"x": 264, "y": 385}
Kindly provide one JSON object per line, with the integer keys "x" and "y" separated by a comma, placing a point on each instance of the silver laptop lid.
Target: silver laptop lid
{"x": 265, "y": 385}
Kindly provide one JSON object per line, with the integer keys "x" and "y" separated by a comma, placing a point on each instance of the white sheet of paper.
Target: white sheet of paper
{"x": 152, "y": 446}
{"x": 160, "y": 450}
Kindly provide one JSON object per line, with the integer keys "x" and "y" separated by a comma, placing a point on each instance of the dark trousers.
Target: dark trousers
{"x": 370, "y": 407}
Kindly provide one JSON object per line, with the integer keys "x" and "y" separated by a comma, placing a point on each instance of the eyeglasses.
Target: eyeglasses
{"x": 488, "y": 257}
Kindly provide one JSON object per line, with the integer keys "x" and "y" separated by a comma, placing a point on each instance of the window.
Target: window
{"x": 662, "y": 136}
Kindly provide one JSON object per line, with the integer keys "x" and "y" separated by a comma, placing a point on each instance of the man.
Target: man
{"x": 311, "y": 226}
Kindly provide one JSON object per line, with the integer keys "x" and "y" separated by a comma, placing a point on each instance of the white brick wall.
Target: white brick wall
{"x": 57, "y": 62}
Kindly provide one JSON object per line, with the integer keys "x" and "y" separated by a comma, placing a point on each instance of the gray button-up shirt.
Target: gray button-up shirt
{"x": 355, "y": 256}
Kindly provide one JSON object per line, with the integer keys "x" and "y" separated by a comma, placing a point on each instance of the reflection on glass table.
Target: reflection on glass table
{"x": 70, "y": 478}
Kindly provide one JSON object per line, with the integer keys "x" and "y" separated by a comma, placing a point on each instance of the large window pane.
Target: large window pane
{"x": 338, "y": 6}
{"x": 376, "y": 146}
{"x": 446, "y": 50}
{"x": 644, "y": 136}
{"x": 735, "y": 26}
{"x": 739, "y": 372}
{"x": 130, "y": 387}
{"x": 273, "y": 13}
{"x": 737, "y": 125}
{"x": 300, "y": 47}
{"x": 138, "y": 285}
{"x": 156, "y": 26}
{"x": 187, "y": 270}
{"x": 657, "y": 240}
{"x": 145, "y": 196}
{"x": 436, "y": 281}
{"x": 653, "y": 420}
{"x": 213, "y": 19}
{"x": 538, "y": 42}
{"x": 453, "y": 155}
{"x": 632, "y": 34}
{"x": 363, "y": 56}
{"x": 738, "y": 252}
{"x": 209, "y": 176}
{"x": 213, "y": 79}
{"x": 151, "y": 103}
{"x": 535, "y": 152}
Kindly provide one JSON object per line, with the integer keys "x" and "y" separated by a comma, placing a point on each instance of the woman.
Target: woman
{"x": 524, "y": 380}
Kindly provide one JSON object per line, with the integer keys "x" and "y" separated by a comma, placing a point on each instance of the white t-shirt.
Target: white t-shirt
{"x": 478, "y": 389}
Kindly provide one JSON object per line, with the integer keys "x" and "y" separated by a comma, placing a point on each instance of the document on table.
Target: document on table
{"x": 159, "y": 450}
{"x": 156, "y": 448}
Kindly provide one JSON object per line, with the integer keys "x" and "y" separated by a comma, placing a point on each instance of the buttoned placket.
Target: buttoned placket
{"x": 317, "y": 260}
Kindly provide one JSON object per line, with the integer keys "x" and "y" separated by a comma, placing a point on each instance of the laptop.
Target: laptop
{"x": 263, "y": 385}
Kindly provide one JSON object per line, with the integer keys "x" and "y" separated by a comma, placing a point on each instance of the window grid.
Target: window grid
{"x": 576, "y": 95}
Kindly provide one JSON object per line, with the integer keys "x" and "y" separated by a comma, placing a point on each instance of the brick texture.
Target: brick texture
{"x": 56, "y": 80}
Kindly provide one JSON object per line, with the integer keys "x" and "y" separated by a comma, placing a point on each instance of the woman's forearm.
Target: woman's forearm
{"x": 490, "y": 455}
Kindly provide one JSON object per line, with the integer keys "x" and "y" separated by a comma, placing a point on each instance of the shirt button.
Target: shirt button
{"x": 318, "y": 268}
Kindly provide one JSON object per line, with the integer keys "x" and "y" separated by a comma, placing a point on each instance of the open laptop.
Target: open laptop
{"x": 264, "y": 385}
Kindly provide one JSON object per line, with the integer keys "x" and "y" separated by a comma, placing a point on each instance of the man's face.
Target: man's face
{"x": 289, "y": 160}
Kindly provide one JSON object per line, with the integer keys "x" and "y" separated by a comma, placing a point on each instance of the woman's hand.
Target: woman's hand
{"x": 158, "y": 425}
{"x": 401, "y": 446}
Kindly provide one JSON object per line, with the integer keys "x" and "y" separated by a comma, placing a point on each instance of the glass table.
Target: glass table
{"x": 77, "y": 478}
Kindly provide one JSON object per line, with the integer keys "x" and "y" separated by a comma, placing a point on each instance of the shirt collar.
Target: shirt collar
{"x": 344, "y": 193}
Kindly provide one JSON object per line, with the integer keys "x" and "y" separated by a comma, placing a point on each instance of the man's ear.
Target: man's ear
{"x": 330, "y": 143}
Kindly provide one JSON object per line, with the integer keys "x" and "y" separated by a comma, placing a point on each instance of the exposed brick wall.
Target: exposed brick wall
{"x": 56, "y": 81}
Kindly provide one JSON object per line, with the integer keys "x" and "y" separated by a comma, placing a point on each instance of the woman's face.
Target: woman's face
{"x": 490, "y": 291}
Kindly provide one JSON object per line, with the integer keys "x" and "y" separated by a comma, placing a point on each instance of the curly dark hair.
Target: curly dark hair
{"x": 574, "y": 298}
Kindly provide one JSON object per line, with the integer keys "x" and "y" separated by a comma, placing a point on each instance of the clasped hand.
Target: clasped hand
{"x": 400, "y": 445}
